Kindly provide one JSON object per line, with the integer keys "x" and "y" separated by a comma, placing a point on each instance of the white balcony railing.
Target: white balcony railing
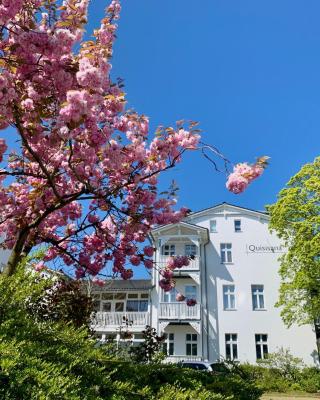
{"x": 179, "y": 311}
{"x": 193, "y": 266}
{"x": 117, "y": 319}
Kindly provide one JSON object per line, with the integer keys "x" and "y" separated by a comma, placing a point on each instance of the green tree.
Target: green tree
{"x": 296, "y": 219}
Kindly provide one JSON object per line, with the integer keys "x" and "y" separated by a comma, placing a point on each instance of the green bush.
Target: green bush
{"x": 284, "y": 377}
{"x": 42, "y": 359}
{"x": 168, "y": 392}
{"x": 310, "y": 379}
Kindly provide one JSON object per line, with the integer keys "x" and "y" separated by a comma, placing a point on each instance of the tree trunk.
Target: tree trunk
{"x": 317, "y": 332}
{"x": 16, "y": 254}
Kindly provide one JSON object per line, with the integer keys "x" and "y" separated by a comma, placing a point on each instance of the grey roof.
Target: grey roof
{"x": 130, "y": 284}
{"x": 227, "y": 204}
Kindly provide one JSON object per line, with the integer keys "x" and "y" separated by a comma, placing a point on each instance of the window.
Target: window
{"x": 229, "y": 297}
{"x": 190, "y": 292}
{"x": 120, "y": 296}
{"x": 133, "y": 295}
{"x": 168, "y": 345}
{"x": 225, "y": 252}
{"x": 137, "y": 305}
{"x": 169, "y": 250}
{"x": 261, "y": 346}
{"x": 257, "y": 297}
{"x": 231, "y": 346}
{"x": 106, "y": 306}
{"x": 169, "y": 297}
{"x": 213, "y": 226}
{"x": 190, "y": 250}
{"x": 191, "y": 344}
{"x": 237, "y": 225}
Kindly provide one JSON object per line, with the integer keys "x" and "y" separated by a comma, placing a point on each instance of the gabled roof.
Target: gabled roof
{"x": 216, "y": 207}
{"x": 182, "y": 223}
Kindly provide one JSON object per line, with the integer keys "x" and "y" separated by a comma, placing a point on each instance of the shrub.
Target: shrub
{"x": 42, "y": 359}
{"x": 310, "y": 379}
{"x": 168, "y": 392}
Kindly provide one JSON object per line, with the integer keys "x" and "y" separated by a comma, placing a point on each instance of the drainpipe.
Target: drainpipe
{"x": 206, "y": 296}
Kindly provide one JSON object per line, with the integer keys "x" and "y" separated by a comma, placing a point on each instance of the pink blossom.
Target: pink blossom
{"x": 166, "y": 284}
{"x": 98, "y": 282}
{"x": 135, "y": 260}
{"x": 148, "y": 251}
{"x": 236, "y": 183}
{"x": 126, "y": 274}
{"x": 180, "y": 297}
{"x": 191, "y": 302}
{"x": 148, "y": 263}
{"x": 166, "y": 273}
{"x": 39, "y": 266}
{"x": 243, "y": 174}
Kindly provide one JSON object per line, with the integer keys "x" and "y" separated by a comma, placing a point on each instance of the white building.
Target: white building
{"x": 233, "y": 277}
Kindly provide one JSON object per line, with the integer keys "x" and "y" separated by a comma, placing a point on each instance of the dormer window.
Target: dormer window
{"x": 213, "y": 226}
{"x": 169, "y": 250}
{"x": 237, "y": 225}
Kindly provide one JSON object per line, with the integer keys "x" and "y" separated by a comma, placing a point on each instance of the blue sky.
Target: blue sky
{"x": 247, "y": 70}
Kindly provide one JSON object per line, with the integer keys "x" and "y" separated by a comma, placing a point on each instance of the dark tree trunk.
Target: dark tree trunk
{"x": 317, "y": 332}
{"x": 16, "y": 254}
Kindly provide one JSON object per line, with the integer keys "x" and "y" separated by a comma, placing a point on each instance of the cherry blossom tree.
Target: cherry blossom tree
{"x": 82, "y": 178}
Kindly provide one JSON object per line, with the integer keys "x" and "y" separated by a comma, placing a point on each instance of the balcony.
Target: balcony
{"x": 193, "y": 266}
{"x": 179, "y": 311}
{"x": 103, "y": 320}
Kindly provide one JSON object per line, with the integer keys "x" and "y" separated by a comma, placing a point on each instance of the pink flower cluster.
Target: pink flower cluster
{"x": 243, "y": 174}
{"x": 167, "y": 282}
{"x": 3, "y": 148}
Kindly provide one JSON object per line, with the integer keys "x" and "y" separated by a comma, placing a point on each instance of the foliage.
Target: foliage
{"x": 177, "y": 393}
{"x": 63, "y": 300}
{"x": 285, "y": 363}
{"x": 283, "y": 373}
{"x": 155, "y": 376}
{"x": 296, "y": 219}
{"x": 150, "y": 349}
{"x": 45, "y": 359}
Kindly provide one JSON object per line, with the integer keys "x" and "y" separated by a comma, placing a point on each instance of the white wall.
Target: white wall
{"x": 247, "y": 268}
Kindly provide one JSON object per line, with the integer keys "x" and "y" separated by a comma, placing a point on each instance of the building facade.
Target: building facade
{"x": 234, "y": 278}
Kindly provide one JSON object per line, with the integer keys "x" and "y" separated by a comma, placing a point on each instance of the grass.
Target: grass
{"x": 289, "y": 396}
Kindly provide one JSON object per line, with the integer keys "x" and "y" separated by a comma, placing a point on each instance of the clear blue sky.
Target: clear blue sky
{"x": 248, "y": 71}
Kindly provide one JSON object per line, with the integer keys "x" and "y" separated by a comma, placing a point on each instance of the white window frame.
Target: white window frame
{"x": 190, "y": 250}
{"x": 226, "y": 253}
{"x": 168, "y": 250}
{"x": 231, "y": 341}
{"x": 258, "y": 298}
{"x": 169, "y": 297}
{"x": 235, "y": 225}
{"x": 213, "y": 225}
{"x": 262, "y": 345}
{"x": 229, "y": 296}
{"x": 191, "y": 343}
{"x": 190, "y": 291}
{"x": 168, "y": 345}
